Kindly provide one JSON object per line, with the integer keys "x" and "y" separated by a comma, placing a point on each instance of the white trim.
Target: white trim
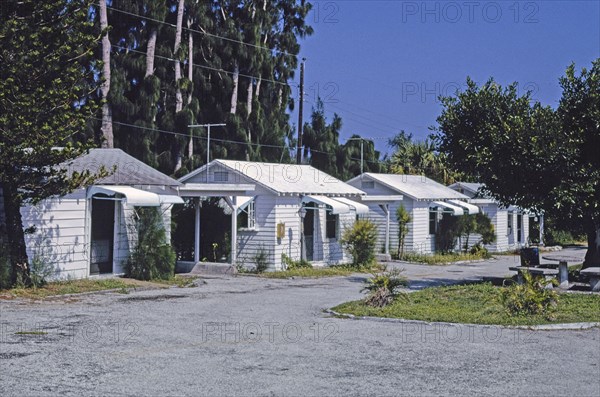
{"x": 382, "y": 198}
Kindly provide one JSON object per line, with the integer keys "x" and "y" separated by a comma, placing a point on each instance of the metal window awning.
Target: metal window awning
{"x": 135, "y": 197}
{"x": 170, "y": 199}
{"x": 473, "y": 209}
{"x": 336, "y": 207}
{"x": 456, "y": 210}
{"x": 241, "y": 202}
{"x": 360, "y": 209}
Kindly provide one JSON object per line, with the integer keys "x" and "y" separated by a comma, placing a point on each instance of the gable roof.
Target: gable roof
{"x": 417, "y": 187}
{"x": 285, "y": 178}
{"x": 129, "y": 170}
{"x": 470, "y": 186}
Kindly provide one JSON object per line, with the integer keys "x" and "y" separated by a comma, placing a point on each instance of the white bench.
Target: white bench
{"x": 594, "y": 274}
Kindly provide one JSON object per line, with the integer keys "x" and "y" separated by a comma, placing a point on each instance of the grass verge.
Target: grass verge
{"x": 440, "y": 259}
{"x": 474, "y": 304}
{"x": 316, "y": 272}
{"x": 92, "y": 285}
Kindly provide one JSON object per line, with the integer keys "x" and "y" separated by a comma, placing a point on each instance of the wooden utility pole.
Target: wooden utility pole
{"x": 300, "y": 107}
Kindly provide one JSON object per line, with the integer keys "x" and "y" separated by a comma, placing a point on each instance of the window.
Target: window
{"x": 247, "y": 217}
{"x": 433, "y": 220}
{"x": 509, "y": 227}
{"x": 367, "y": 185}
{"x": 519, "y": 228}
{"x": 221, "y": 176}
{"x": 331, "y": 225}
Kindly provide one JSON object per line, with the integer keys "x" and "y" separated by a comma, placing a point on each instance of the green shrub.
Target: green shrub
{"x": 480, "y": 251}
{"x": 404, "y": 219}
{"x": 5, "y": 268}
{"x": 530, "y": 298}
{"x": 383, "y": 288}
{"x": 360, "y": 241}
{"x": 261, "y": 260}
{"x": 152, "y": 257}
{"x": 290, "y": 264}
{"x": 39, "y": 272}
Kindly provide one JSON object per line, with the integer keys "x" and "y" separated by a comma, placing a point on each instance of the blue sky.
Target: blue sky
{"x": 381, "y": 64}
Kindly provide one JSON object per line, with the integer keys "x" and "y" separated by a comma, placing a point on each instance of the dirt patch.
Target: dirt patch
{"x": 8, "y": 356}
{"x": 151, "y": 298}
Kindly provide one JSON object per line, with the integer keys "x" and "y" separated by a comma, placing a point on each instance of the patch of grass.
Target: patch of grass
{"x": 122, "y": 285}
{"x": 177, "y": 281}
{"x": 31, "y": 333}
{"x": 68, "y": 287}
{"x": 475, "y": 304}
{"x": 317, "y": 272}
{"x": 439, "y": 259}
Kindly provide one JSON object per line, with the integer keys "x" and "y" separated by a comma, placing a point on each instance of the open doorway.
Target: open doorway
{"x": 102, "y": 236}
{"x": 309, "y": 231}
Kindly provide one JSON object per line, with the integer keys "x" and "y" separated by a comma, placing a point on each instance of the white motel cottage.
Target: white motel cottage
{"x": 284, "y": 209}
{"x": 423, "y": 198}
{"x": 90, "y": 231}
{"x": 511, "y": 223}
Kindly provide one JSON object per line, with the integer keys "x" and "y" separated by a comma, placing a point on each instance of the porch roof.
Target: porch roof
{"x": 215, "y": 189}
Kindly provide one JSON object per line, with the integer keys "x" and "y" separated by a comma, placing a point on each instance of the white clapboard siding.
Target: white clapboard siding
{"x": 287, "y": 212}
{"x": 59, "y": 239}
{"x": 337, "y": 253}
{"x": 419, "y": 240}
{"x": 251, "y": 242}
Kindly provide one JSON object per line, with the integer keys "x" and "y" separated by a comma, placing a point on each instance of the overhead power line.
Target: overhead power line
{"x": 202, "y": 32}
{"x": 203, "y": 66}
{"x": 287, "y": 147}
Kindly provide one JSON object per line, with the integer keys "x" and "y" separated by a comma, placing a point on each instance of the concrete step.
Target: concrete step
{"x": 205, "y": 268}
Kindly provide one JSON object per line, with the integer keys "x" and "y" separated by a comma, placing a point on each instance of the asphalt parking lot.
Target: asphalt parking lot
{"x": 254, "y": 336}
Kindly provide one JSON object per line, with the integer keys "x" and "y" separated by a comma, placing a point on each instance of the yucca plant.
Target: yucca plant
{"x": 530, "y": 298}
{"x": 383, "y": 288}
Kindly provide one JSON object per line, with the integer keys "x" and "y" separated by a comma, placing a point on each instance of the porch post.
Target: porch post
{"x": 234, "y": 208}
{"x": 541, "y": 229}
{"x": 387, "y": 228}
{"x": 197, "y": 231}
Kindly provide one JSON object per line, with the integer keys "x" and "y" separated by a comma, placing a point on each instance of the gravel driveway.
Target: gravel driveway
{"x": 253, "y": 336}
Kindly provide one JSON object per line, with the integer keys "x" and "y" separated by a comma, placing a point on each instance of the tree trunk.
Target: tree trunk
{"x": 15, "y": 235}
{"x": 190, "y": 78}
{"x": 179, "y": 28}
{"x": 150, "y": 52}
{"x": 234, "y": 91}
{"x": 592, "y": 256}
{"x": 106, "y": 128}
{"x": 257, "y": 90}
{"x": 190, "y": 60}
{"x": 249, "y": 97}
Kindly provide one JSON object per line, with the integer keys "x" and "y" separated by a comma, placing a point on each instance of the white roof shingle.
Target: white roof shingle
{"x": 417, "y": 187}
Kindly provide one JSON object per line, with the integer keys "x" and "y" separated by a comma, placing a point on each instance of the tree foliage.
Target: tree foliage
{"x": 152, "y": 257}
{"x": 222, "y": 80}
{"x": 404, "y": 219}
{"x": 528, "y": 154}
{"x": 413, "y": 157}
{"x": 46, "y": 53}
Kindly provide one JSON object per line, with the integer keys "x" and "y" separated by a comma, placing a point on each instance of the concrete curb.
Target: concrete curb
{"x": 541, "y": 327}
